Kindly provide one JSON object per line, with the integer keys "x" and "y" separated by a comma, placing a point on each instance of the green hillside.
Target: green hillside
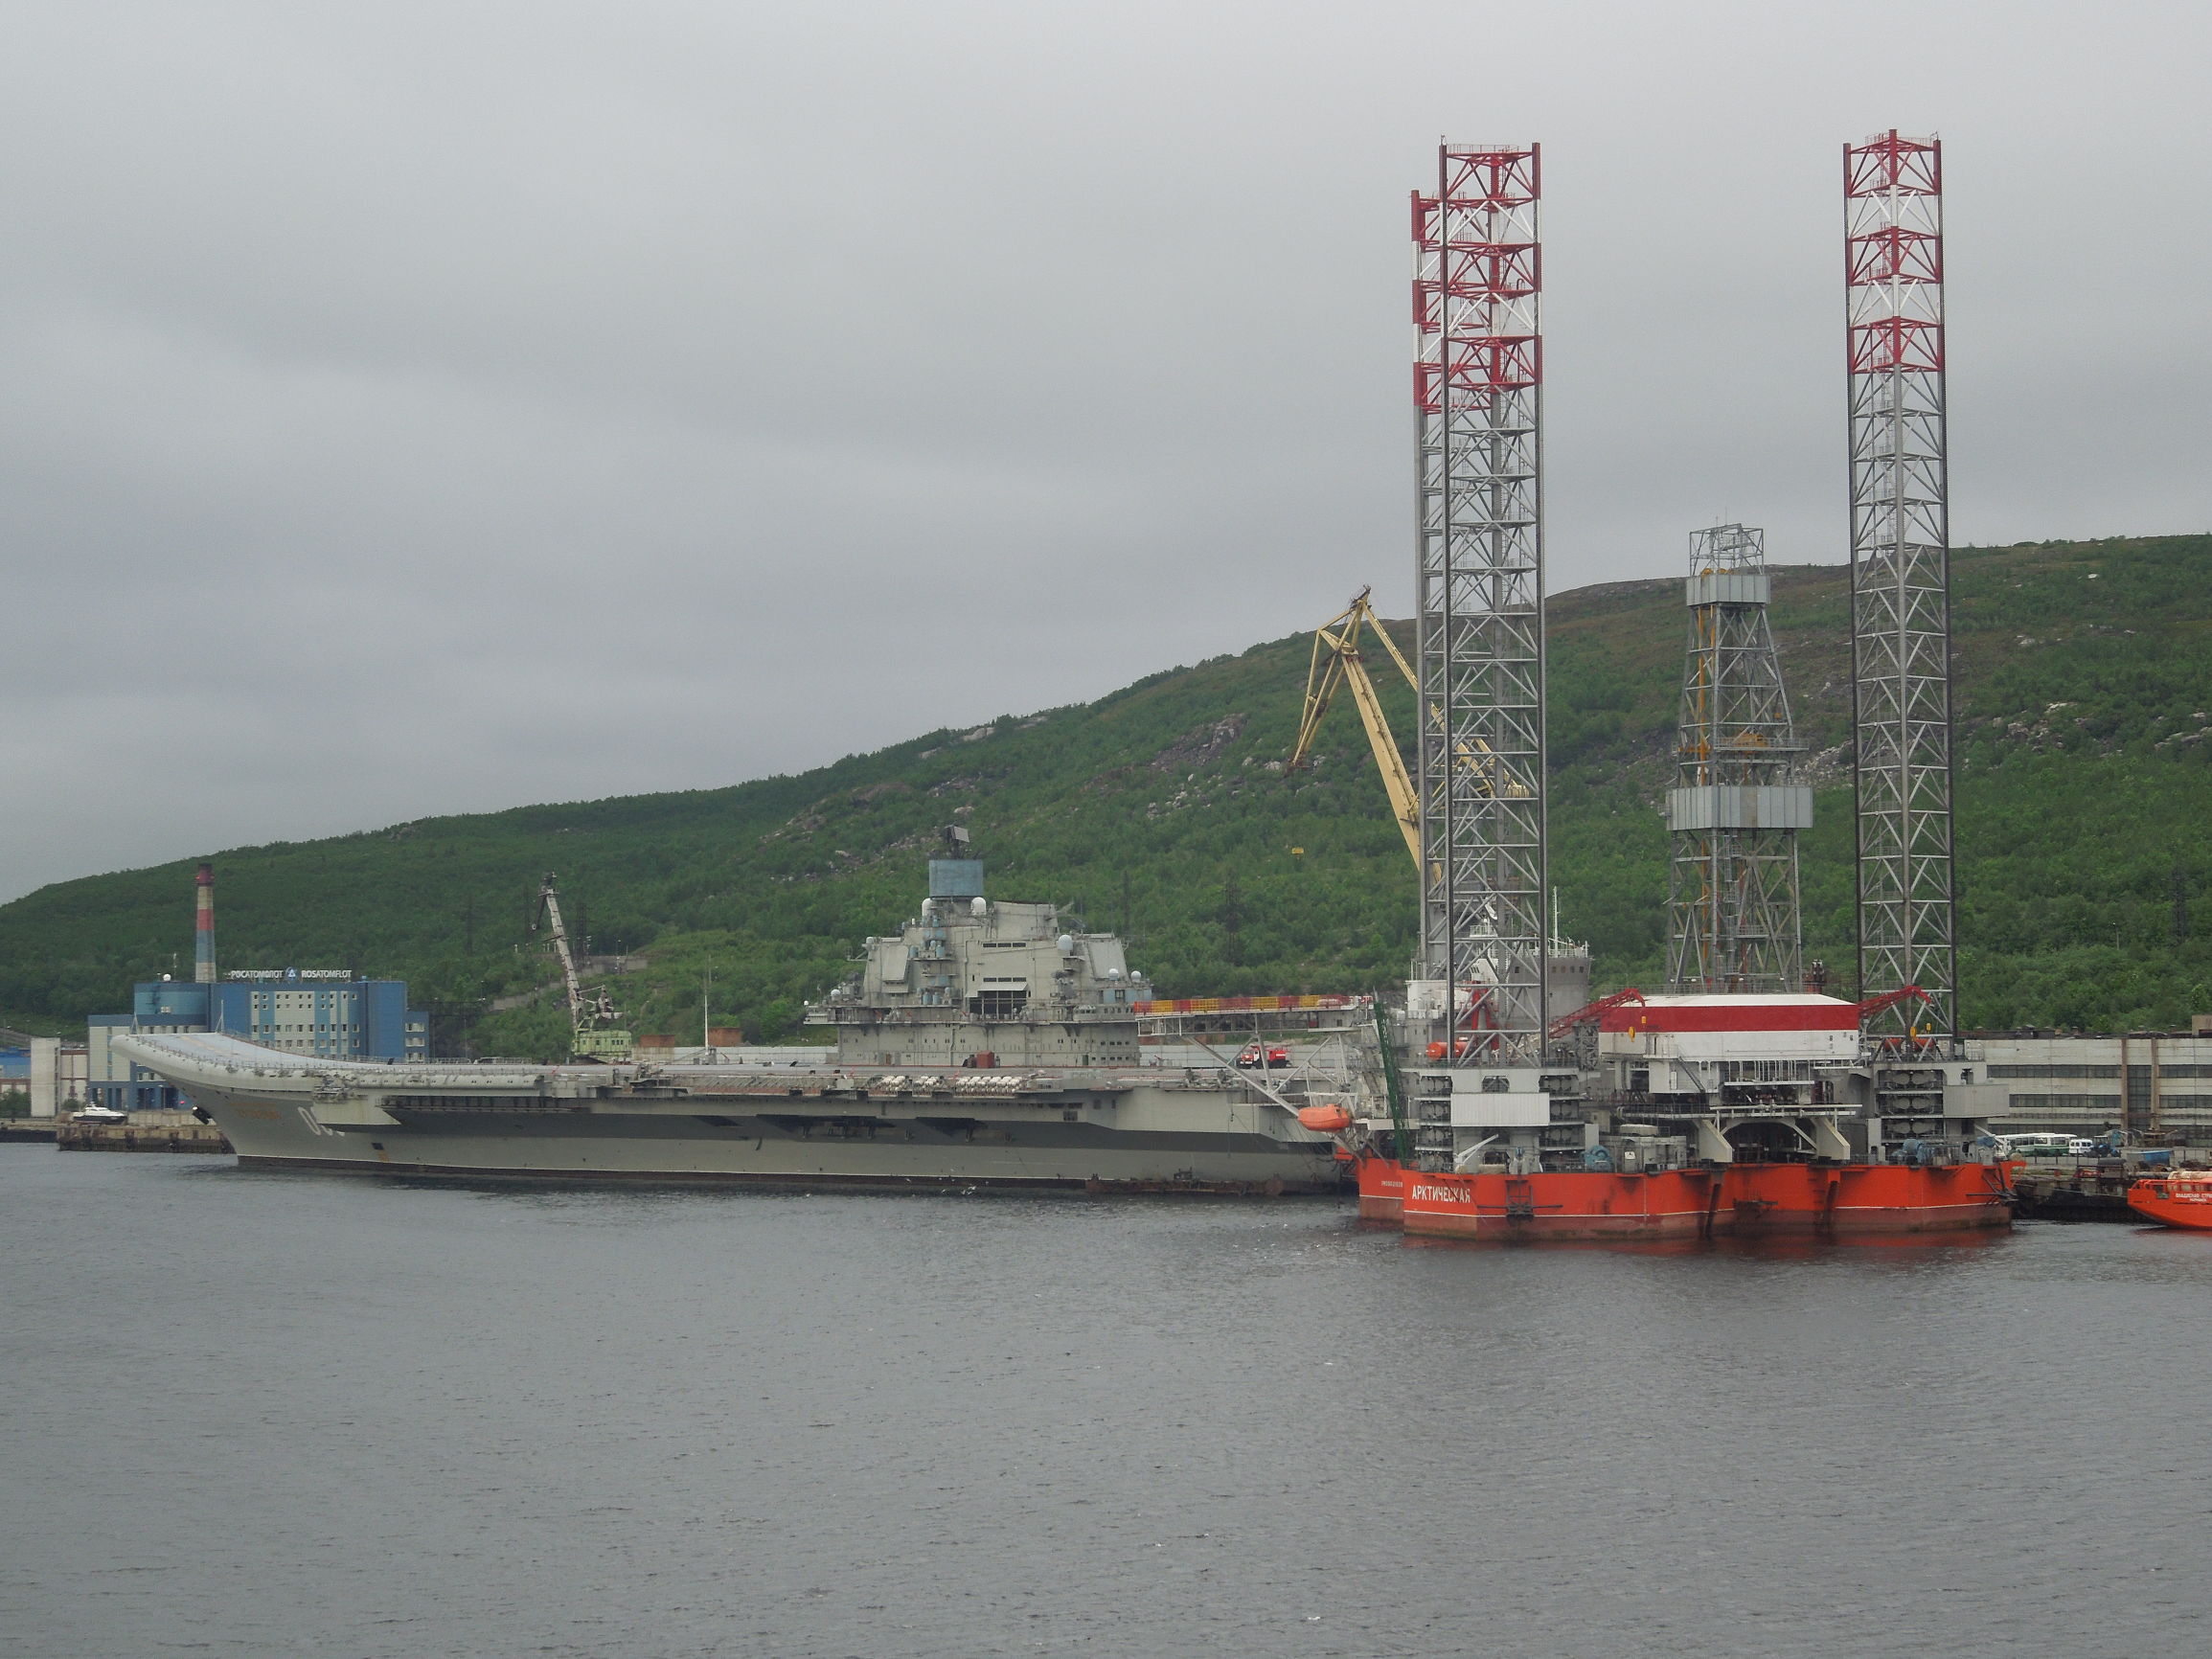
{"x": 2084, "y": 699}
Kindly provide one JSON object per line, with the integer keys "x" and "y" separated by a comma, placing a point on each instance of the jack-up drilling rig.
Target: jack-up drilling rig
{"x": 1734, "y": 1103}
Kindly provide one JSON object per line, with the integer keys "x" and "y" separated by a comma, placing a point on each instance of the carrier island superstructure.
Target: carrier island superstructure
{"x": 987, "y": 1043}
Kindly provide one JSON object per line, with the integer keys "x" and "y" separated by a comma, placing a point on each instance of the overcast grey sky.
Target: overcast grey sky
{"x": 425, "y": 407}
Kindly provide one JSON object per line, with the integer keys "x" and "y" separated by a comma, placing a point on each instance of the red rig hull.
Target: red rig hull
{"x": 1731, "y": 1201}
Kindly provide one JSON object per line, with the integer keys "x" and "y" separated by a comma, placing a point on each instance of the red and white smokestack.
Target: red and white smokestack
{"x": 203, "y": 929}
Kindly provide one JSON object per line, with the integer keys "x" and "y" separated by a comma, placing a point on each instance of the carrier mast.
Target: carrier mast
{"x": 1480, "y": 638}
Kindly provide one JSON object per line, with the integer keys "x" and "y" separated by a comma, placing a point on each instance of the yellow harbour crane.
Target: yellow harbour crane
{"x": 594, "y": 1021}
{"x": 1337, "y": 661}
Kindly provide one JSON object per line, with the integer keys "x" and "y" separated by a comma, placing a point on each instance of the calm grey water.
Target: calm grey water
{"x": 253, "y": 1413}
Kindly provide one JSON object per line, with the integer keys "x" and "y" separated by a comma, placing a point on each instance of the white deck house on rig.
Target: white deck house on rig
{"x": 1742, "y": 1071}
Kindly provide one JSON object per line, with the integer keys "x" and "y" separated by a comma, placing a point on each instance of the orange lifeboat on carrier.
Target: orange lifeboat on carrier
{"x": 1326, "y": 1120}
{"x": 2181, "y": 1199}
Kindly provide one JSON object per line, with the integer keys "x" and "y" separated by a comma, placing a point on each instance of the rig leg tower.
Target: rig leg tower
{"x": 1900, "y": 621}
{"x": 1479, "y": 992}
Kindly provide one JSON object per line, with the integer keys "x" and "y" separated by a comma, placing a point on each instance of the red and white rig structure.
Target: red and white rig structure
{"x": 1737, "y": 1102}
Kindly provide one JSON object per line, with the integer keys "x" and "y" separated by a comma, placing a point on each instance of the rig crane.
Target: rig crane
{"x": 594, "y": 1021}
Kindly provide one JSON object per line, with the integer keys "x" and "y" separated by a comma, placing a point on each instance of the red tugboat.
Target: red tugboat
{"x": 2182, "y": 1198}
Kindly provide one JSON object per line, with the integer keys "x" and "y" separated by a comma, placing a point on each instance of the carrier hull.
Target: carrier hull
{"x": 1129, "y": 1129}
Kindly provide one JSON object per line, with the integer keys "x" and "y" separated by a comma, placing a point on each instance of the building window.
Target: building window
{"x": 2103, "y": 1103}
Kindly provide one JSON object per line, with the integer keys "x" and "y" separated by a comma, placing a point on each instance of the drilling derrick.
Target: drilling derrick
{"x": 1901, "y": 587}
{"x": 1735, "y": 812}
{"x": 1480, "y": 778}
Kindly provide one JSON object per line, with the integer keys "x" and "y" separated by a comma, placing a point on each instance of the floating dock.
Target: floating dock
{"x": 2076, "y": 1192}
{"x": 185, "y": 1134}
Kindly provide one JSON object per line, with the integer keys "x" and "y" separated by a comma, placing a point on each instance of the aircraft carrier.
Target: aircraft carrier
{"x": 983, "y": 1045}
